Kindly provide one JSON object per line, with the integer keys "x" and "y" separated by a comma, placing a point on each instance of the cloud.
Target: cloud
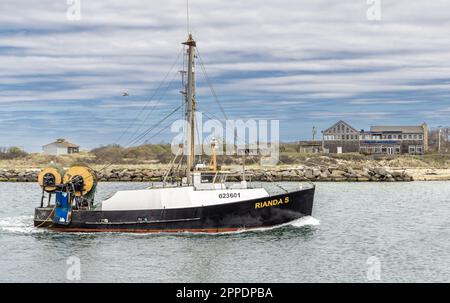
{"x": 304, "y": 62}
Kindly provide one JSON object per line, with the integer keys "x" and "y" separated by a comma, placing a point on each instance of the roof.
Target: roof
{"x": 310, "y": 143}
{"x": 62, "y": 143}
{"x": 339, "y": 122}
{"x": 403, "y": 129}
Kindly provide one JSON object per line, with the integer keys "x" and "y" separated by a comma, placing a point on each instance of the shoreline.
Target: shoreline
{"x": 293, "y": 173}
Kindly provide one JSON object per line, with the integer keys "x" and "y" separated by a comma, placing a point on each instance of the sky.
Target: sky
{"x": 305, "y": 63}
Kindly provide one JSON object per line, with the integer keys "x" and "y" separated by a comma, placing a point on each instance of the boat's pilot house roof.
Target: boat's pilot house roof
{"x": 213, "y": 180}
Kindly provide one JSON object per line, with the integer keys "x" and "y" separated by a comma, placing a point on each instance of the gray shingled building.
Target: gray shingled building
{"x": 393, "y": 140}
{"x": 341, "y": 137}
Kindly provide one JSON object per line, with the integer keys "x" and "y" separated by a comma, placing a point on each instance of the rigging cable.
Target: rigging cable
{"x": 151, "y": 98}
{"x": 153, "y": 108}
{"x": 208, "y": 81}
{"x": 187, "y": 17}
{"x": 263, "y": 170}
{"x": 142, "y": 136}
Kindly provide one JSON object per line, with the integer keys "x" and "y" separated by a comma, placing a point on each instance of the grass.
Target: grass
{"x": 159, "y": 155}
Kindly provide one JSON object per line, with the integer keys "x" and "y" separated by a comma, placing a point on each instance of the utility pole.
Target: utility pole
{"x": 439, "y": 139}
{"x": 323, "y": 142}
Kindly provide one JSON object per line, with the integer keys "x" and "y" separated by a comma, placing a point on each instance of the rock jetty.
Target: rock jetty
{"x": 300, "y": 173}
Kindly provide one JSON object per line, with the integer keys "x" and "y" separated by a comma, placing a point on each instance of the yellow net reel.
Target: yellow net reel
{"x": 83, "y": 176}
{"x": 49, "y": 177}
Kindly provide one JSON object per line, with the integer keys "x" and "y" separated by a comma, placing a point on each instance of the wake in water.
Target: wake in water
{"x": 305, "y": 221}
{"x": 20, "y": 224}
{"x": 24, "y": 224}
{"x": 299, "y": 223}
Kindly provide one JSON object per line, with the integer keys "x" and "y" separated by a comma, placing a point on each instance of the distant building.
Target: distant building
{"x": 393, "y": 140}
{"x": 309, "y": 147}
{"x": 341, "y": 138}
{"x": 254, "y": 149}
{"x": 389, "y": 140}
{"x": 60, "y": 147}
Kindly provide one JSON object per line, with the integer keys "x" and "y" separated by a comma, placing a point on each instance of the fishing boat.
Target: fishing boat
{"x": 201, "y": 201}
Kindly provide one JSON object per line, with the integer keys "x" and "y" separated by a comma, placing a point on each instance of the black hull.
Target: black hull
{"x": 250, "y": 214}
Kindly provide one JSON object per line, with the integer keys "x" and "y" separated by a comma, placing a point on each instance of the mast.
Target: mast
{"x": 213, "y": 162}
{"x": 190, "y": 100}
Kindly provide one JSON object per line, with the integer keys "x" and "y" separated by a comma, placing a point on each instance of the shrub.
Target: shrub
{"x": 111, "y": 153}
{"x": 12, "y": 153}
{"x": 117, "y": 154}
{"x": 284, "y": 159}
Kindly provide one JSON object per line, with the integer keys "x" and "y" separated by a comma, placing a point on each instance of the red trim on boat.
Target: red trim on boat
{"x": 127, "y": 230}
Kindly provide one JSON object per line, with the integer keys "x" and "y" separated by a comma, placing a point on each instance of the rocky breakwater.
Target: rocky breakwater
{"x": 132, "y": 175}
{"x": 19, "y": 175}
{"x": 276, "y": 174}
{"x": 332, "y": 174}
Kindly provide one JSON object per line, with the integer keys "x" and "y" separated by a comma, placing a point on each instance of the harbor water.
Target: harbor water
{"x": 359, "y": 232}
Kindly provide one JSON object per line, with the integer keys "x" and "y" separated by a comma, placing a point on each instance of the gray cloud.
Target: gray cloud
{"x": 309, "y": 55}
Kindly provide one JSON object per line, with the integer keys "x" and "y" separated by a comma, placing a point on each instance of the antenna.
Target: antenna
{"x": 187, "y": 17}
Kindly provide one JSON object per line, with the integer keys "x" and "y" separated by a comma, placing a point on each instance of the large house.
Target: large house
{"x": 390, "y": 140}
{"x": 60, "y": 147}
{"x": 393, "y": 140}
{"x": 341, "y": 138}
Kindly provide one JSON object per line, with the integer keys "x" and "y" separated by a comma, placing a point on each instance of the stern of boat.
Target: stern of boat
{"x": 43, "y": 216}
